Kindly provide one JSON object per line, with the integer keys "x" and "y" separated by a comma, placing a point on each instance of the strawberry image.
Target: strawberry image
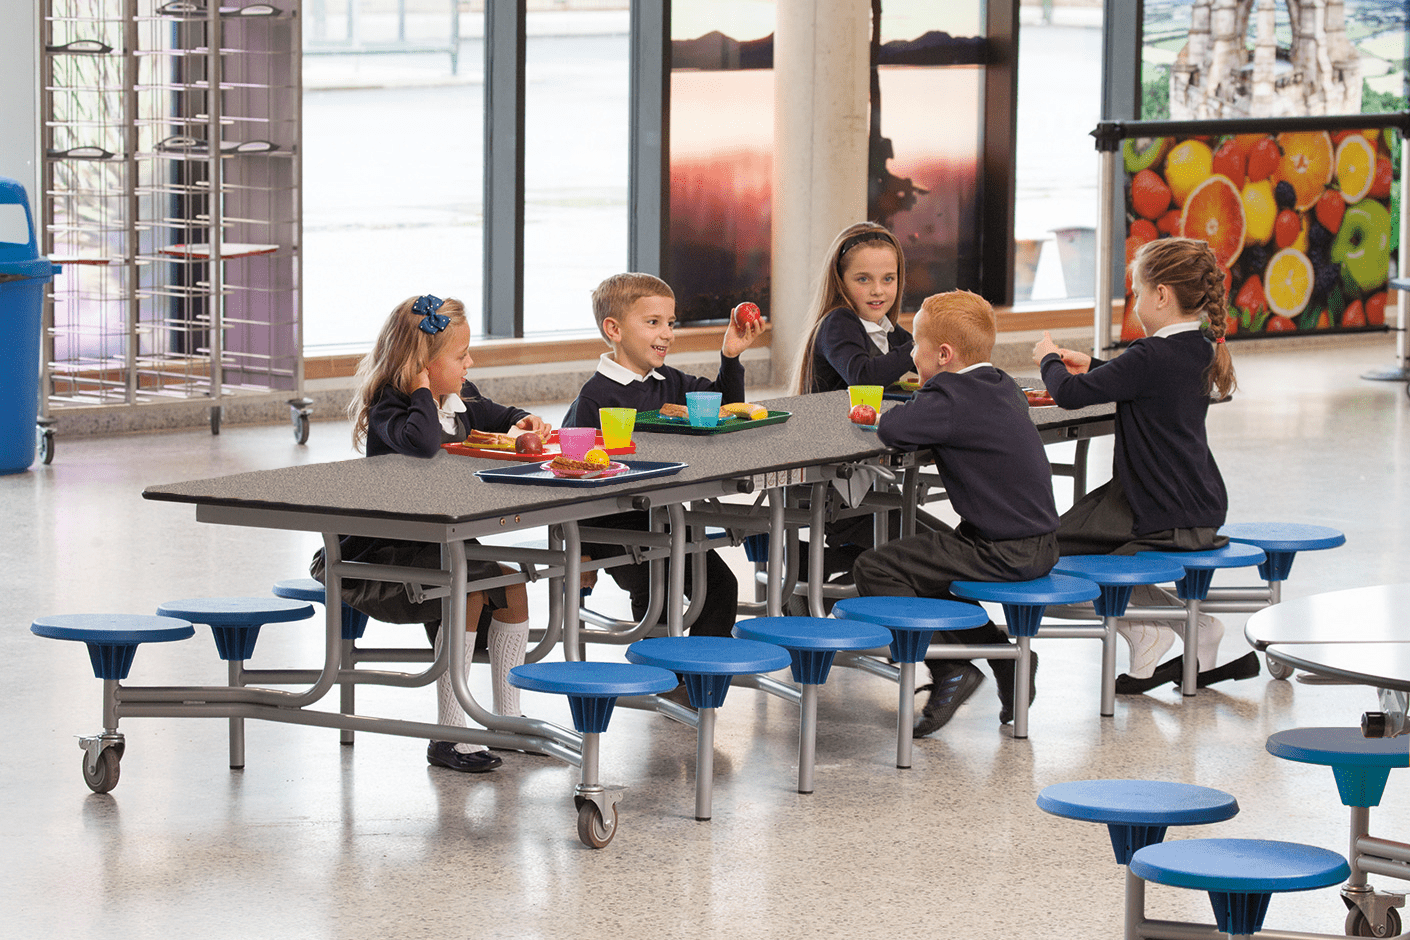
{"x": 1150, "y": 197}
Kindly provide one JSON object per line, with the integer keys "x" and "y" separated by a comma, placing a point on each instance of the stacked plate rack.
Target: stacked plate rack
{"x": 172, "y": 200}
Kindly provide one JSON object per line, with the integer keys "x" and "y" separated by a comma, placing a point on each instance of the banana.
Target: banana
{"x": 744, "y": 409}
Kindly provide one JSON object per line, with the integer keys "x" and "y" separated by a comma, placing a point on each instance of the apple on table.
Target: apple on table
{"x": 863, "y": 414}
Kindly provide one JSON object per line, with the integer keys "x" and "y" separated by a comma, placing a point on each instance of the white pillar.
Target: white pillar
{"x": 19, "y": 97}
{"x": 821, "y": 69}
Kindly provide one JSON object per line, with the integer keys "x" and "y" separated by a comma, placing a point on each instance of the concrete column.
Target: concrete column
{"x": 821, "y": 68}
{"x": 19, "y": 98}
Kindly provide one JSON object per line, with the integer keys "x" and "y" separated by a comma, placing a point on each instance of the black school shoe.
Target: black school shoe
{"x": 444, "y": 754}
{"x": 947, "y": 693}
{"x": 1004, "y": 678}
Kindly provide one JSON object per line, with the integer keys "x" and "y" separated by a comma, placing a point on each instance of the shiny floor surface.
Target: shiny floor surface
{"x": 317, "y": 840}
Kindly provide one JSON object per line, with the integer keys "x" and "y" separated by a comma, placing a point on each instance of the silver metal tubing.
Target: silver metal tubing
{"x": 369, "y": 572}
{"x": 872, "y": 664}
{"x": 675, "y": 593}
{"x": 347, "y": 704}
{"x": 777, "y": 536}
{"x": 1260, "y": 594}
{"x": 1360, "y": 827}
{"x": 958, "y": 651}
{"x": 373, "y": 654}
{"x": 1384, "y": 866}
{"x": 905, "y": 713}
{"x": 1108, "y": 700}
{"x": 704, "y": 763}
{"x": 910, "y": 486}
{"x": 662, "y": 706}
{"x": 1022, "y": 687}
{"x": 807, "y": 737}
{"x": 1135, "y": 906}
{"x": 1049, "y": 632}
{"x": 114, "y": 696}
{"x": 1106, "y": 199}
{"x": 1179, "y": 614}
{"x": 1178, "y": 930}
{"x": 237, "y": 725}
{"x": 590, "y": 748}
{"x": 817, "y": 544}
{"x": 1231, "y": 607}
{"x": 770, "y": 685}
{"x": 1190, "y": 682}
{"x": 1384, "y": 848}
{"x": 572, "y": 577}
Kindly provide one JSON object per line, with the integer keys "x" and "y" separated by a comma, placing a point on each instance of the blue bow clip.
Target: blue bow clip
{"x": 425, "y": 307}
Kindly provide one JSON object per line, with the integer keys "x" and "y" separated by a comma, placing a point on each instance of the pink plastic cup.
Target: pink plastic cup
{"x": 574, "y": 442}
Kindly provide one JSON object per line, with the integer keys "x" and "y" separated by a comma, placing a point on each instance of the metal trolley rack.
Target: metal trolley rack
{"x": 172, "y": 192}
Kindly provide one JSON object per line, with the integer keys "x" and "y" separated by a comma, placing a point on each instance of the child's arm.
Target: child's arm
{"x": 486, "y": 415}
{"x": 843, "y": 341}
{"x": 407, "y": 425}
{"x": 737, "y": 340}
{"x": 924, "y": 421}
{"x": 1076, "y": 362}
{"x": 1122, "y": 379}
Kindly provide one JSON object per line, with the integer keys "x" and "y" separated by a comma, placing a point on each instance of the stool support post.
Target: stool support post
{"x": 346, "y": 696}
{"x": 1189, "y": 683}
{"x": 237, "y": 725}
{"x": 1108, "y": 704}
{"x": 110, "y": 706}
{"x": 1135, "y": 906}
{"x": 1022, "y": 687}
{"x": 778, "y": 536}
{"x": 807, "y": 737}
{"x": 704, "y": 763}
{"x": 905, "y": 714}
{"x": 1360, "y": 826}
{"x": 588, "y": 778}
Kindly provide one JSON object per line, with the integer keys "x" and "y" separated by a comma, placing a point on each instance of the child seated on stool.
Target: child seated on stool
{"x": 974, "y": 419}
{"x": 636, "y": 314}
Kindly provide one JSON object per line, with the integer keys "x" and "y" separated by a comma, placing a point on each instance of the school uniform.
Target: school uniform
{"x": 1166, "y": 492}
{"x": 616, "y": 386}
{"x": 414, "y": 425}
{"x": 991, "y": 461}
{"x": 851, "y": 351}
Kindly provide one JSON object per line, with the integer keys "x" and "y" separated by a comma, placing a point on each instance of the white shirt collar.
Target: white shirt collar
{"x": 877, "y": 332}
{"x": 1183, "y": 326}
{"x": 447, "y": 410}
{"x": 620, "y": 374}
{"x": 977, "y": 365}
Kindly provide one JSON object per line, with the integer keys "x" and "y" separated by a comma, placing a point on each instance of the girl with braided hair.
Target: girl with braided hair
{"x": 1166, "y": 493}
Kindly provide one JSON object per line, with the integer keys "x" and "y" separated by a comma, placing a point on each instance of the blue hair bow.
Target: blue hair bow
{"x": 425, "y": 307}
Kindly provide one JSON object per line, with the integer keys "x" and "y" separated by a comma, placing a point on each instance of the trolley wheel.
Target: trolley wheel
{"x": 1358, "y": 926}
{"x": 46, "y": 445}
{"x": 215, "y": 419}
{"x": 1276, "y": 669}
{"x": 105, "y": 776}
{"x": 300, "y": 422}
{"x": 593, "y": 831}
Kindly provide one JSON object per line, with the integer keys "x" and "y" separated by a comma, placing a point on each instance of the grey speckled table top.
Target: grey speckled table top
{"x": 444, "y": 490}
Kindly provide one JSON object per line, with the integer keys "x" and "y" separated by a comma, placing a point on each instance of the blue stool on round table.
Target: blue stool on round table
{"x": 354, "y": 625}
{"x": 1024, "y": 603}
{"x": 1194, "y": 587}
{"x": 1116, "y": 575}
{"x": 593, "y": 690}
{"x": 1240, "y": 875}
{"x": 1361, "y": 766}
{"x": 707, "y": 663}
{"x": 235, "y": 623}
{"x": 112, "y": 641}
{"x": 812, "y": 642}
{"x": 912, "y": 621}
{"x": 1281, "y": 541}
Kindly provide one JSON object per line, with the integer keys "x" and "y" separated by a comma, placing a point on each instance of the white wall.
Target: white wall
{"x": 19, "y": 97}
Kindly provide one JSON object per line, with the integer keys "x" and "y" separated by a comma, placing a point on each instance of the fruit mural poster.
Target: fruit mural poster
{"x": 1305, "y": 223}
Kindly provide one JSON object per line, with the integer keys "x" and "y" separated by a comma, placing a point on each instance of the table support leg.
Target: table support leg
{"x": 346, "y": 693}
{"x": 704, "y": 763}
{"x": 777, "y": 542}
{"x": 807, "y": 737}
{"x": 905, "y": 714}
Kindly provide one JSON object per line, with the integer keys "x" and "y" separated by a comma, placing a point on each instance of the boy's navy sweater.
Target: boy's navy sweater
{"x": 603, "y": 392}
{"x": 1162, "y": 453}
{"x": 843, "y": 354}
{"x": 986, "y": 448}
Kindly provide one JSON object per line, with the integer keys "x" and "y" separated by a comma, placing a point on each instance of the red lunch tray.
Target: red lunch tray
{"x": 550, "y": 450}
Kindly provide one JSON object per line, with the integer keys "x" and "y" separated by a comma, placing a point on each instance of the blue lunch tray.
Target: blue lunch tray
{"x": 534, "y": 475}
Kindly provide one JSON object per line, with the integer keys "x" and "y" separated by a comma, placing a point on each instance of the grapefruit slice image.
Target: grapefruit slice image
{"x": 1307, "y": 164}
{"x": 1214, "y": 213}
{"x": 1287, "y": 282}
{"x": 1356, "y": 167}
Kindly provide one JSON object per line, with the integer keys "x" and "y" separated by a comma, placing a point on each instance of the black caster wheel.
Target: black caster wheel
{"x": 46, "y": 446}
{"x": 1358, "y": 926}
{"x": 300, "y": 422}
{"x": 1278, "y": 670}
{"x": 215, "y": 420}
{"x": 593, "y": 831}
{"x": 105, "y": 776}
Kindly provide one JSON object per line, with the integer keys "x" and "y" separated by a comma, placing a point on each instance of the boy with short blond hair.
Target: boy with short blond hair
{"x": 974, "y": 419}
{"x": 636, "y": 314}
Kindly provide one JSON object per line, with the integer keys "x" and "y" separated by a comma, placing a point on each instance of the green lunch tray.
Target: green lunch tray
{"x": 651, "y": 422}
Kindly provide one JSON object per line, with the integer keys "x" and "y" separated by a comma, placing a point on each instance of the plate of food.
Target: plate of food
{"x": 566, "y": 469}
{"x": 1038, "y": 397}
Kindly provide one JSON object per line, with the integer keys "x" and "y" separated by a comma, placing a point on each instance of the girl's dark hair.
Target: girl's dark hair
{"x": 1189, "y": 268}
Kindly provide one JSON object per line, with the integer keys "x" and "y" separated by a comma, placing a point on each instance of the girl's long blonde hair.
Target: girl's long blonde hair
{"x": 829, "y": 294}
{"x": 402, "y": 350}
{"x": 1189, "y": 268}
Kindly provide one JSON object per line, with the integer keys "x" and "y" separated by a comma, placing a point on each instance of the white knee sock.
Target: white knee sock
{"x": 448, "y": 710}
{"x": 1211, "y": 631}
{"x": 1148, "y": 640}
{"x": 507, "y": 643}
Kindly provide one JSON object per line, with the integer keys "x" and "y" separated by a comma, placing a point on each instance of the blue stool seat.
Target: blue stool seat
{"x": 1025, "y": 601}
{"x": 1200, "y": 566}
{"x": 235, "y": 621}
{"x": 1116, "y": 575}
{"x": 592, "y": 688}
{"x": 1137, "y": 812}
{"x": 707, "y": 663}
{"x": 307, "y": 589}
{"x": 1239, "y": 874}
{"x": 1281, "y": 541}
{"x": 1361, "y": 765}
{"x": 112, "y": 639}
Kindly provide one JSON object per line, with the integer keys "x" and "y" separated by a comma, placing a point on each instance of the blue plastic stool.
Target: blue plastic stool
{"x": 1024, "y": 603}
{"x": 1281, "y": 541}
{"x": 812, "y": 642}
{"x": 1361, "y": 766}
{"x": 1240, "y": 875}
{"x": 593, "y": 690}
{"x": 1137, "y": 812}
{"x": 912, "y": 622}
{"x": 112, "y": 641}
{"x": 707, "y": 663}
{"x": 1116, "y": 575}
{"x": 1194, "y": 587}
{"x": 307, "y": 589}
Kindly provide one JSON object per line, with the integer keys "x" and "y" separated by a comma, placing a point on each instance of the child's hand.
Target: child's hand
{"x": 737, "y": 340}
{"x": 536, "y": 424}
{"x": 1043, "y": 348}
{"x": 1074, "y": 361}
{"x": 422, "y": 380}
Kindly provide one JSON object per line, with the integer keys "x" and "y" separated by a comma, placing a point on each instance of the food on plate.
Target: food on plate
{"x": 528, "y": 443}
{"x": 745, "y": 314}
{"x": 670, "y": 410}
{"x": 744, "y": 409}
{"x": 564, "y": 463}
{"x": 597, "y": 458}
{"x": 863, "y": 414}
{"x": 486, "y": 439}
{"x": 1038, "y": 396}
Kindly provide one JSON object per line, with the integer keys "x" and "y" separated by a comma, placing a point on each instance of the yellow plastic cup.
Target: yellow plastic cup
{"x": 864, "y": 395}
{"x": 617, "y": 425}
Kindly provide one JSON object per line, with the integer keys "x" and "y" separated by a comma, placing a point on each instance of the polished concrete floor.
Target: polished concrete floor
{"x": 316, "y": 840}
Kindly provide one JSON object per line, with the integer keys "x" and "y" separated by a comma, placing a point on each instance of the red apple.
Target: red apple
{"x": 528, "y": 443}
{"x": 745, "y": 314}
{"x": 863, "y": 414}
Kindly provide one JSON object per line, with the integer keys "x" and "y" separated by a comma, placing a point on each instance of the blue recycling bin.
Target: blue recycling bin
{"x": 23, "y": 275}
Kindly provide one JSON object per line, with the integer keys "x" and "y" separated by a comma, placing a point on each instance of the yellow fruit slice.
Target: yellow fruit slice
{"x": 1307, "y": 164}
{"x": 1260, "y": 212}
{"x": 1287, "y": 282}
{"x": 597, "y": 457}
{"x": 1356, "y": 167}
{"x": 1186, "y": 166}
{"x": 1214, "y": 213}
